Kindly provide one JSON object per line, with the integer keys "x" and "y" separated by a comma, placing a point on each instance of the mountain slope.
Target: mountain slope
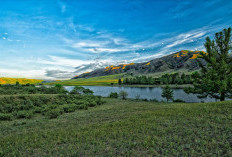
{"x": 182, "y": 60}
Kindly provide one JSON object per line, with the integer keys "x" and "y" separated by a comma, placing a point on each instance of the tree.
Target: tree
{"x": 167, "y": 93}
{"x": 119, "y": 81}
{"x": 123, "y": 94}
{"x": 87, "y": 92}
{"x": 77, "y": 90}
{"x": 17, "y": 83}
{"x": 113, "y": 95}
{"x": 215, "y": 79}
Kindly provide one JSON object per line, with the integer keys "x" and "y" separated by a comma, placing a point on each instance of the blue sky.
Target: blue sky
{"x": 57, "y": 39}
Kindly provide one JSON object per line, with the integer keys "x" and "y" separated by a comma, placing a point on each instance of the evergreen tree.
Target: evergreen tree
{"x": 119, "y": 81}
{"x": 167, "y": 93}
{"x": 215, "y": 79}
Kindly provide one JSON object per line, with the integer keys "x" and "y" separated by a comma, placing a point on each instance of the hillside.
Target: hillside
{"x": 5, "y": 80}
{"x": 184, "y": 60}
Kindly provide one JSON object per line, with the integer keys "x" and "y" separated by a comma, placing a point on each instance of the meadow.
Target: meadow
{"x": 93, "y": 81}
{"x": 124, "y": 128}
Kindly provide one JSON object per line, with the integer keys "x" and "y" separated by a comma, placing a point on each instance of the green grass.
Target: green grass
{"x": 107, "y": 80}
{"x": 124, "y": 128}
{"x": 93, "y": 81}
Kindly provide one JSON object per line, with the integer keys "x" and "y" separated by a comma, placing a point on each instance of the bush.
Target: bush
{"x": 24, "y": 114}
{"x": 113, "y": 95}
{"x": 38, "y": 110}
{"x": 92, "y": 103}
{"x": 123, "y": 94}
{"x": 53, "y": 113}
{"x": 69, "y": 108}
{"x": 83, "y": 106}
{"x": 5, "y": 116}
{"x": 99, "y": 100}
{"x": 178, "y": 100}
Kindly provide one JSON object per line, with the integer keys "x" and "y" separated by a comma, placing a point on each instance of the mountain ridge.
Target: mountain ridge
{"x": 181, "y": 60}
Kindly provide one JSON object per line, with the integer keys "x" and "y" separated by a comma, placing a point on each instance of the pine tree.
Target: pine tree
{"x": 167, "y": 93}
{"x": 215, "y": 79}
{"x": 119, "y": 81}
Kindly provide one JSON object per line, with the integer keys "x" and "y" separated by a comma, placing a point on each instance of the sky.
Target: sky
{"x": 58, "y": 39}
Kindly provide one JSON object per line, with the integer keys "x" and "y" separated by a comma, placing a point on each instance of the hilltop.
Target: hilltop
{"x": 184, "y": 60}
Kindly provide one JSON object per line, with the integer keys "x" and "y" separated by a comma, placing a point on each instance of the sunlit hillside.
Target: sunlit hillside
{"x": 6, "y": 80}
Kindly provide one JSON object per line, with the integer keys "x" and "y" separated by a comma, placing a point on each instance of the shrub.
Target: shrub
{"x": 92, "y": 103}
{"x": 99, "y": 100}
{"x": 24, "y": 114}
{"x": 113, "y": 95}
{"x": 178, "y": 100}
{"x": 8, "y": 108}
{"x": 123, "y": 94}
{"x": 69, "y": 108}
{"x": 53, "y": 113}
{"x": 83, "y": 106}
{"x": 38, "y": 110}
{"x": 5, "y": 116}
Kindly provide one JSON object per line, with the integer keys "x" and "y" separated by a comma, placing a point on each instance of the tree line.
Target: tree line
{"x": 174, "y": 78}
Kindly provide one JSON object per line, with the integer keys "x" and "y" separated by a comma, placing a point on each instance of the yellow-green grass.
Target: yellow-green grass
{"x": 93, "y": 81}
{"x": 6, "y": 80}
{"x": 124, "y": 128}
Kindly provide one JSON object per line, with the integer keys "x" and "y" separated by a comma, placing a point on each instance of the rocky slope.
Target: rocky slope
{"x": 182, "y": 60}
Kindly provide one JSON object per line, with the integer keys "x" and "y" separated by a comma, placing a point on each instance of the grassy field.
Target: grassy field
{"x": 94, "y": 81}
{"x": 124, "y": 128}
{"x": 6, "y": 80}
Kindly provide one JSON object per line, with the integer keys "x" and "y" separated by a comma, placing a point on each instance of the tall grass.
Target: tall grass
{"x": 124, "y": 128}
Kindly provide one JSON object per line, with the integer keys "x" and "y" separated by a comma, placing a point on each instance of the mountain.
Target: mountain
{"x": 182, "y": 60}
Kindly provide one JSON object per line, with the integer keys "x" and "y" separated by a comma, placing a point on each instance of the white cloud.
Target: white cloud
{"x": 61, "y": 61}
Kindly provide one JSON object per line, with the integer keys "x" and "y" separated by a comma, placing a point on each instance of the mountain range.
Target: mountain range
{"x": 184, "y": 60}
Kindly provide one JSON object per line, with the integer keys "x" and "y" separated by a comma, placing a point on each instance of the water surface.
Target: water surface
{"x": 144, "y": 93}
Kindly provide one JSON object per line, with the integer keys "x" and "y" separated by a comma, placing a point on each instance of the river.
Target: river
{"x": 148, "y": 93}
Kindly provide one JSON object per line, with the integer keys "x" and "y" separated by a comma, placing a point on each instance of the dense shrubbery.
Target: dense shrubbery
{"x": 113, "y": 95}
{"x": 25, "y": 106}
{"x": 31, "y": 89}
{"x": 174, "y": 78}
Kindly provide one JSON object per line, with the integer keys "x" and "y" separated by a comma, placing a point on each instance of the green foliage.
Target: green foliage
{"x": 69, "y": 108}
{"x": 113, "y": 95}
{"x": 87, "y": 92}
{"x": 178, "y": 100}
{"x": 215, "y": 80}
{"x": 24, "y": 114}
{"x": 119, "y": 81}
{"x": 174, "y": 78}
{"x": 53, "y": 113}
{"x": 123, "y": 94}
{"x": 167, "y": 93}
{"x": 5, "y": 116}
{"x": 31, "y": 89}
{"x": 24, "y": 106}
{"x": 77, "y": 90}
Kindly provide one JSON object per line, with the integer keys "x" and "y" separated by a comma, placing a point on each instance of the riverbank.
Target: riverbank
{"x": 124, "y": 128}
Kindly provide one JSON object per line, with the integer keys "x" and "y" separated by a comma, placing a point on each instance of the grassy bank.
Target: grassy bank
{"x": 126, "y": 128}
